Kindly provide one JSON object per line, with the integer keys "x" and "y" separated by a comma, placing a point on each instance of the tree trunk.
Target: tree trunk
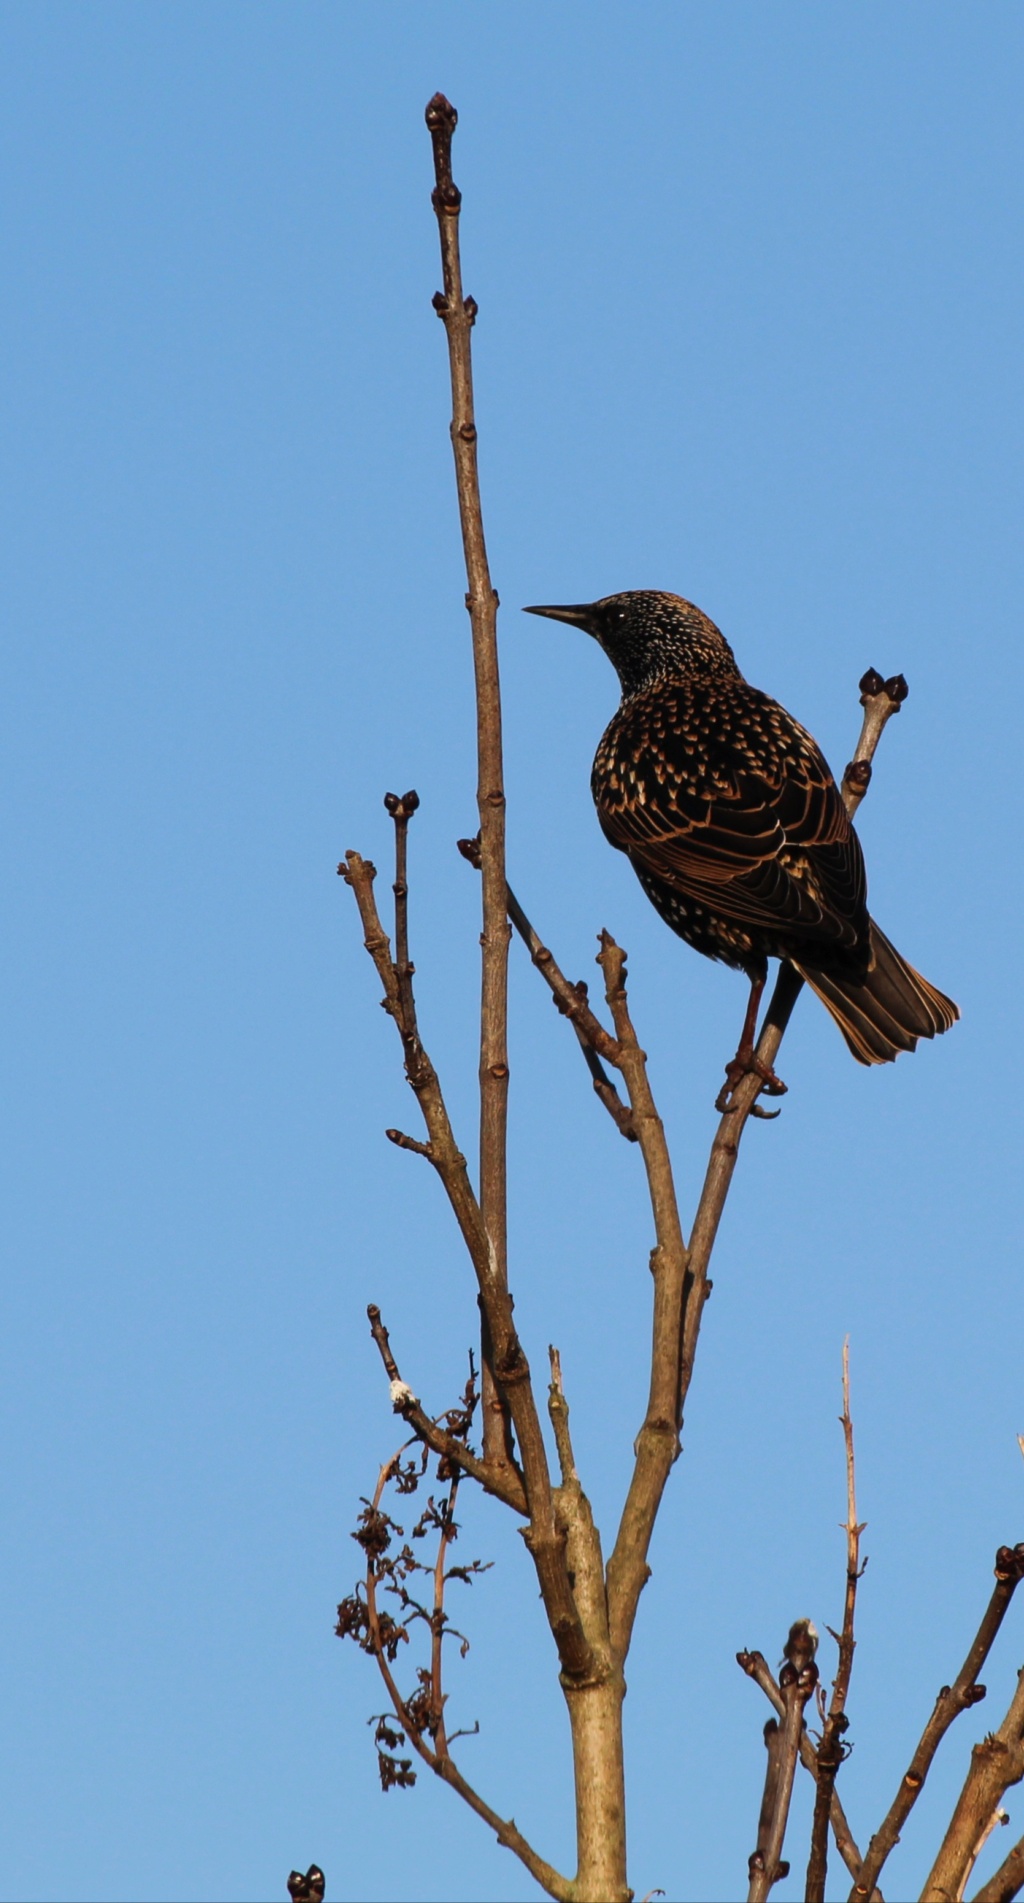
{"x": 595, "y": 1714}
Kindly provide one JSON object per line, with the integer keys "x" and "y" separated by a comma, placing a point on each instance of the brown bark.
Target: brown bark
{"x": 951, "y": 1701}
{"x": 458, "y": 314}
{"x": 996, "y": 1763}
{"x": 756, "y": 1667}
{"x": 797, "y": 1681}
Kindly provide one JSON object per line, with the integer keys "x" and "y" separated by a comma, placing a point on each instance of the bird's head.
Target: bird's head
{"x": 649, "y": 636}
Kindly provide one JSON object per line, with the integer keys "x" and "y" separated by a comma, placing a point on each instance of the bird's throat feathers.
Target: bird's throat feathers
{"x": 650, "y": 637}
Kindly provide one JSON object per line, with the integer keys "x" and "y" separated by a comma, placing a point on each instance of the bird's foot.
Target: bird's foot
{"x": 746, "y": 1064}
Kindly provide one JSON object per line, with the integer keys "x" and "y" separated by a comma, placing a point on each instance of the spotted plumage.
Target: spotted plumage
{"x": 735, "y": 827}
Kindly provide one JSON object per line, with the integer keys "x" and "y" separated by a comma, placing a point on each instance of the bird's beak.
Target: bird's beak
{"x": 579, "y": 617}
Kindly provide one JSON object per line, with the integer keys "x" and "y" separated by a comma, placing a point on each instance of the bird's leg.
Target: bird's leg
{"x": 745, "y": 1061}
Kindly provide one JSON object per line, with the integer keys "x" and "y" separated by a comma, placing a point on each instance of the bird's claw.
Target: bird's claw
{"x": 745, "y": 1064}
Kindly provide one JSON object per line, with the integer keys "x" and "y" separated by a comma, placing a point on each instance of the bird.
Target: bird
{"x": 734, "y": 825}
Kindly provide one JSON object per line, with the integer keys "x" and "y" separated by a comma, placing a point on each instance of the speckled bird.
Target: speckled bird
{"x": 734, "y": 825}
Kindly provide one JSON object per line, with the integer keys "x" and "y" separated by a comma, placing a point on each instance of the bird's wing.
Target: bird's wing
{"x": 729, "y": 800}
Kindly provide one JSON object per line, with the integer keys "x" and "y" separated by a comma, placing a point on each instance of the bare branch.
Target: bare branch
{"x": 951, "y": 1701}
{"x": 830, "y": 1750}
{"x": 1008, "y": 1879}
{"x": 458, "y": 315}
{"x": 657, "y": 1443}
{"x": 756, "y": 1667}
{"x": 996, "y": 1763}
{"x": 401, "y": 808}
{"x": 880, "y": 700}
{"x": 769, "y": 1801}
{"x": 504, "y": 1486}
{"x": 797, "y": 1681}
{"x": 438, "y": 1620}
{"x": 572, "y": 1001}
{"x": 558, "y": 1409}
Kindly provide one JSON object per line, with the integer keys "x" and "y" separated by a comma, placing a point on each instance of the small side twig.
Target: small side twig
{"x": 572, "y": 1001}
{"x": 951, "y": 1701}
{"x": 830, "y": 1750}
{"x": 504, "y": 1485}
{"x": 797, "y": 1681}
{"x": 999, "y": 1816}
{"x": 558, "y": 1411}
{"x": 1007, "y": 1881}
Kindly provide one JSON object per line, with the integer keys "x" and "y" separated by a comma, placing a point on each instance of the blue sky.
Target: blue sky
{"x": 750, "y": 290}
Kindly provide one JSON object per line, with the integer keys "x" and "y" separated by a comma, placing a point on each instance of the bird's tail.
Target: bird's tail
{"x": 886, "y": 1012}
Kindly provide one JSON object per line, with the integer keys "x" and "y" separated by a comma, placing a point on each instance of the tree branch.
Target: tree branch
{"x": 951, "y": 1701}
{"x": 504, "y": 1486}
{"x": 756, "y": 1667}
{"x": 572, "y": 1001}
{"x": 996, "y": 1763}
{"x": 657, "y": 1443}
{"x": 769, "y": 1800}
{"x": 830, "y": 1750}
{"x": 797, "y": 1681}
{"x": 458, "y": 315}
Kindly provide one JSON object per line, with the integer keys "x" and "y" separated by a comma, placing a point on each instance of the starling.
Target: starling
{"x": 735, "y": 827}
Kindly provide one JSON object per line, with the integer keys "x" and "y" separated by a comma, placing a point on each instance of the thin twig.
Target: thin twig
{"x": 951, "y": 1701}
{"x": 441, "y": 1762}
{"x": 1008, "y": 1879}
{"x": 437, "y": 1617}
{"x": 505, "y": 1486}
{"x": 401, "y": 808}
{"x": 559, "y": 1412}
{"x": 830, "y": 1750}
{"x": 756, "y": 1667}
{"x": 458, "y": 314}
{"x": 999, "y": 1816}
{"x": 573, "y": 1002}
{"x": 996, "y": 1763}
{"x": 797, "y": 1681}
